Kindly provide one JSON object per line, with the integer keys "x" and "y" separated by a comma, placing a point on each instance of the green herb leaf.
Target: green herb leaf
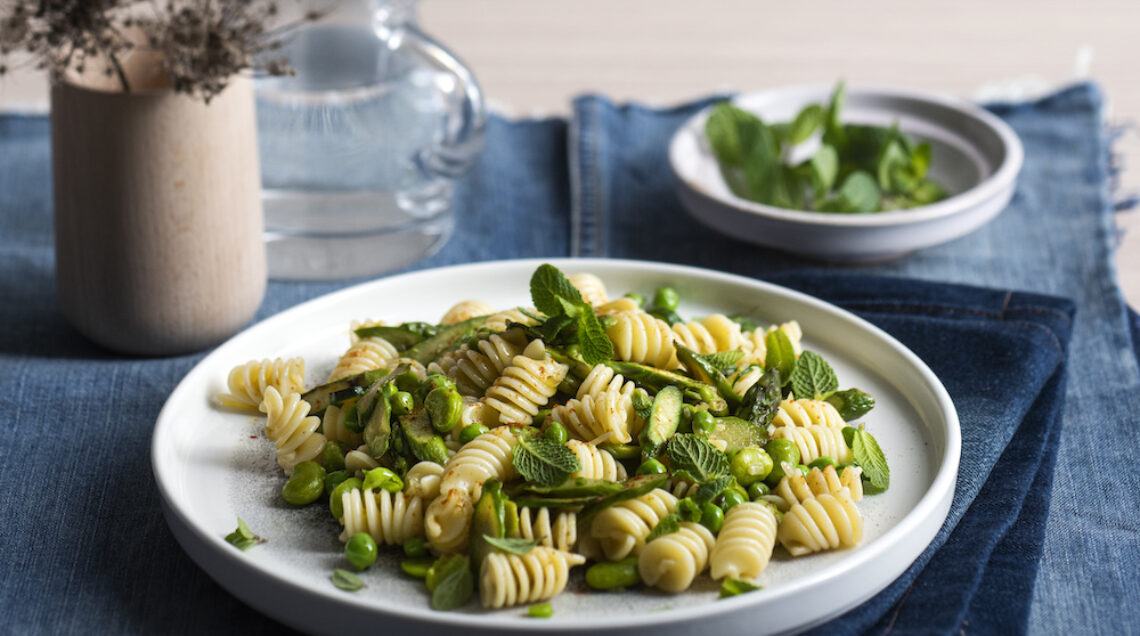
{"x": 243, "y": 538}
{"x": 813, "y": 378}
{"x": 454, "y": 590}
{"x": 732, "y": 133}
{"x": 708, "y": 491}
{"x": 920, "y": 159}
{"x": 547, "y": 286}
{"x": 851, "y": 403}
{"x": 859, "y": 193}
{"x": 544, "y": 461}
{"x": 823, "y": 169}
{"x": 514, "y": 546}
{"x": 595, "y": 346}
{"x": 834, "y": 132}
{"x": 384, "y": 479}
{"x": 893, "y": 162}
{"x": 346, "y": 580}
{"x": 723, "y": 361}
{"x": 928, "y": 192}
{"x": 668, "y": 524}
{"x": 747, "y": 323}
{"x": 780, "y": 354}
{"x": 806, "y": 123}
{"x": 642, "y": 403}
{"x": 696, "y": 456}
{"x": 733, "y": 587}
{"x": 871, "y": 459}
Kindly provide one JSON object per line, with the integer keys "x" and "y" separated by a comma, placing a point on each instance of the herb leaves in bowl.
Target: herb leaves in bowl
{"x": 855, "y": 168}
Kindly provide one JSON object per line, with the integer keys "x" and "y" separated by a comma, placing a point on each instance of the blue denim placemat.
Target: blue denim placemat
{"x": 84, "y": 546}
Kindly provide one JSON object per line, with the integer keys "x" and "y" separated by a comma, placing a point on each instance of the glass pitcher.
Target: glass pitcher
{"x": 360, "y": 149}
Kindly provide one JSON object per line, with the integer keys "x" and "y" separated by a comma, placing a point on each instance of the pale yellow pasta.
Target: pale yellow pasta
{"x": 484, "y": 458}
{"x": 745, "y": 542}
{"x": 389, "y": 518}
{"x": 709, "y": 335}
{"x": 596, "y": 463}
{"x": 814, "y": 442}
{"x": 680, "y": 487}
{"x": 823, "y": 522}
{"x": 247, "y": 382}
{"x": 359, "y": 460}
{"x": 747, "y": 377}
{"x": 474, "y": 370}
{"x": 671, "y": 562}
{"x": 361, "y": 324}
{"x": 622, "y": 528}
{"x": 618, "y": 304}
{"x": 795, "y": 487}
{"x": 423, "y": 480}
{"x": 602, "y": 379}
{"x": 807, "y": 412}
{"x": 526, "y": 385}
{"x": 639, "y": 337}
{"x": 447, "y": 520}
{"x": 591, "y": 287}
{"x": 608, "y": 418}
{"x": 559, "y": 532}
{"x": 756, "y": 350}
{"x": 466, "y": 310}
{"x": 333, "y": 428}
{"x": 498, "y": 322}
{"x": 506, "y": 580}
{"x": 365, "y": 354}
{"x": 291, "y": 429}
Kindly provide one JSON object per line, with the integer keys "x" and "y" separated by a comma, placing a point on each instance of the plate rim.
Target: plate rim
{"x": 1003, "y": 177}
{"x": 936, "y": 500}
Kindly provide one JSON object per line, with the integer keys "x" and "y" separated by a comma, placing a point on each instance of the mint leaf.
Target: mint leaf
{"x": 547, "y": 285}
{"x": 805, "y": 123}
{"x": 732, "y": 133}
{"x": 544, "y": 461}
{"x": 723, "y": 361}
{"x": 859, "y": 193}
{"x": 779, "y": 354}
{"x": 823, "y": 169}
{"x": 733, "y": 587}
{"x": 834, "y": 132}
{"x": 668, "y": 524}
{"x": 708, "y": 491}
{"x": 851, "y": 404}
{"x": 514, "y": 546}
{"x": 920, "y": 160}
{"x": 382, "y": 478}
{"x": 454, "y": 590}
{"x": 243, "y": 538}
{"x": 871, "y": 459}
{"x": 813, "y": 378}
{"x": 696, "y": 456}
{"x": 593, "y": 343}
{"x": 346, "y": 580}
{"x": 642, "y": 403}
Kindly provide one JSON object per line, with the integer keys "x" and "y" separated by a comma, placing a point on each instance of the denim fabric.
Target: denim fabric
{"x": 83, "y": 547}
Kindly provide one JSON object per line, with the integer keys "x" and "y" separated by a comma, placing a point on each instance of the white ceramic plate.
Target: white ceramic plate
{"x": 976, "y": 156}
{"x": 213, "y": 466}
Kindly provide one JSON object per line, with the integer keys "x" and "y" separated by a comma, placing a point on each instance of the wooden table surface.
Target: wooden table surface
{"x": 533, "y": 56}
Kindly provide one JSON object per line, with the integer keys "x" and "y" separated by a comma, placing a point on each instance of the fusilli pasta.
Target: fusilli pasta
{"x": 290, "y": 427}
{"x": 671, "y": 562}
{"x": 823, "y": 522}
{"x": 622, "y": 528}
{"x": 506, "y": 580}
{"x": 247, "y": 382}
{"x": 745, "y": 542}
{"x": 388, "y": 517}
{"x": 526, "y": 385}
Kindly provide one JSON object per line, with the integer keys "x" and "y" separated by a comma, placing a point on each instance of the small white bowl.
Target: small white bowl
{"x": 976, "y": 156}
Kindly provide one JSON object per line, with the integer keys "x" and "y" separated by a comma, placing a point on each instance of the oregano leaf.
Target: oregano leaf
{"x": 668, "y": 524}
{"x": 871, "y": 459}
{"x": 346, "y": 580}
{"x": 813, "y": 378}
{"x": 544, "y": 461}
{"x": 696, "y": 456}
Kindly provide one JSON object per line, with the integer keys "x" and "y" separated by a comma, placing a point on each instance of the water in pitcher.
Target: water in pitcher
{"x": 345, "y": 156}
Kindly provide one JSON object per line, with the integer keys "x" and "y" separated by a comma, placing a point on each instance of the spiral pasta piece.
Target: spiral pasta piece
{"x": 466, "y": 310}
{"x": 333, "y": 428}
{"x": 602, "y": 379}
{"x": 359, "y": 460}
{"x": 561, "y": 533}
{"x": 639, "y": 337}
{"x": 422, "y": 480}
{"x": 606, "y": 418}
{"x": 596, "y": 463}
{"x": 292, "y": 430}
{"x": 709, "y": 335}
{"x": 247, "y": 382}
{"x": 671, "y": 562}
{"x": 756, "y": 350}
{"x": 506, "y": 580}
{"x": 746, "y": 378}
{"x": 591, "y": 287}
{"x": 814, "y": 442}
{"x": 388, "y": 517}
{"x": 486, "y": 457}
{"x": 365, "y": 354}
{"x": 447, "y": 521}
{"x": 680, "y": 487}
{"x": 745, "y": 542}
{"x": 361, "y": 324}
{"x": 474, "y": 370}
{"x": 622, "y": 528}
{"x": 526, "y": 385}
{"x": 618, "y": 304}
{"x": 823, "y": 522}
{"x": 807, "y": 412}
{"x": 498, "y": 322}
{"x": 795, "y": 487}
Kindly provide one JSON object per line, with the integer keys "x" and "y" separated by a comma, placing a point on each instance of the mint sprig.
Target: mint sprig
{"x": 243, "y": 538}
{"x": 544, "y": 461}
{"x": 554, "y": 295}
{"x": 668, "y": 524}
{"x": 696, "y": 457}
{"x": 871, "y": 459}
{"x": 813, "y": 378}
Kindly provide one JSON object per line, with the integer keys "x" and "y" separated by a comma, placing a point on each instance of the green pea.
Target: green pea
{"x": 434, "y": 380}
{"x": 384, "y": 479}
{"x": 540, "y": 610}
{"x": 415, "y": 547}
{"x": 556, "y": 432}
{"x": 732, "y": 497}
{"x": 306, "y": 485}
{"x": 651, "y": 467}
{"x": 334, "y": 479}
{"x": 360, "y": 550}
{"x": 417, "y": 566}
{"x": 637, "y": 298}
{"x": 689, "y": 510}
{"x": 822, "y": 462}
{"x": 781, "y": 451}
{"x": 335, "y": 505}
{"x": 712, "y": 517}
{"x": 751, "y": 465}
{"x": 402, "y": 403}
{"x": 703, "y": 422}
{"x": 470, "y": 432}
{"x": 758, "y": 490}
{"x": 666, "y": 298}
{"x": 444, "y": 407}
{"x": 332, "y": 457}
{"x": 613, "y": 575}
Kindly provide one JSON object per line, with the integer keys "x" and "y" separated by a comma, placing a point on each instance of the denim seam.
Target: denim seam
{"x": 912, "y": 308}
{"x": 598, "y": 226}
{"x": 573, "y": 153}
